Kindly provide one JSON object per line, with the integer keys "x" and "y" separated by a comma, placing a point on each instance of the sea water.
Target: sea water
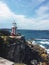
{"x": 30, "y": 34}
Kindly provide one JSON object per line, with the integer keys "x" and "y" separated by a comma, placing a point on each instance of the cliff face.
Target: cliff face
{"x": 20, "y": 51}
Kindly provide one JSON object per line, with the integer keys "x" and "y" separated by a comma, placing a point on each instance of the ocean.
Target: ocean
{"x": 31, "y": 34}
{"x": 40, "y": 37}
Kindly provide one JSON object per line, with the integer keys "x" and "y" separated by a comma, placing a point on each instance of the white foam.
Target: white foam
{"x": 42, "y": 39}
{"x": 47, "y": 51}
{"x": 42, "y": 46}
{"x": 33, "y": 42}
{"x": 44, "y": 42}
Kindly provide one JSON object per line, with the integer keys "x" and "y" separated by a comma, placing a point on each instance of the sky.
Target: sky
{"x": 28, "y": 14}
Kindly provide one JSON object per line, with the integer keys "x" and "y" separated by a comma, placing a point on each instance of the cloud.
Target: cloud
{"x": 40, "y": 22}
{"x": 42, "y": 25}
{"x": 42, "y": 18}
{"x": 23, "y": 22}
{"x": 4, "y": 10}
{"x": 42, "y": 10}
{"x": 6, "y": 14}
{"x": 25, "y": 7}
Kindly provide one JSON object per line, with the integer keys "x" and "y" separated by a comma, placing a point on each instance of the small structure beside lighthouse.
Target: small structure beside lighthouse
{"x": 14, "y": 28}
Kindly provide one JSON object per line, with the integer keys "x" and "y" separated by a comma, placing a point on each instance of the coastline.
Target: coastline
{"x": 20, "y": 50}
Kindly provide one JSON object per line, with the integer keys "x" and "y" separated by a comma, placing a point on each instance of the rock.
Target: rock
{"x": 4, "y": 33}
{"x": 44, "y": 57}
{"x": 34, "y": 62}
{"x": 5, "y": 62}
{"x": 17, "y": 49}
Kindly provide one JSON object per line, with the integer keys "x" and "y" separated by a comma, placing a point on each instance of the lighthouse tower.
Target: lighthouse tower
{"x": 13, "y": 33}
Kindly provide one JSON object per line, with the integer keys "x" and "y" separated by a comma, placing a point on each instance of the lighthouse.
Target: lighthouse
{"x": 14, "y": 28}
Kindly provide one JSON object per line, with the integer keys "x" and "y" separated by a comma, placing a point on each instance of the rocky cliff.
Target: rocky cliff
{"x": 17, "y": 49}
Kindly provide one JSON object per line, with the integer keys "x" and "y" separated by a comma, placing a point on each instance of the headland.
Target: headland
{"x": 18, "y": 50}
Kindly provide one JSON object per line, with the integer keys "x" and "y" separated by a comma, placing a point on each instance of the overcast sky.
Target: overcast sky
{"x": 28, "y": 14}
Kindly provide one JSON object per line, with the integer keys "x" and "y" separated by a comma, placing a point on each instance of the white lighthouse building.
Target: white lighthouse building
{"x": 14, "y": 28}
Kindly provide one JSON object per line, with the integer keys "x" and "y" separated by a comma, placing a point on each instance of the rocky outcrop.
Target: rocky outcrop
{"x": 4, "y": 32}
{"x": 17, "y": 49}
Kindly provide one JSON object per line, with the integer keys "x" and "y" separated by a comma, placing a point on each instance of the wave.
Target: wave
{"x": 33, "y": 42}
{"x": 47, "y": 51}
{"x": 45, "y": 48}
{"x": 44, "y": 43}
{"x": 42, "y": 46}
